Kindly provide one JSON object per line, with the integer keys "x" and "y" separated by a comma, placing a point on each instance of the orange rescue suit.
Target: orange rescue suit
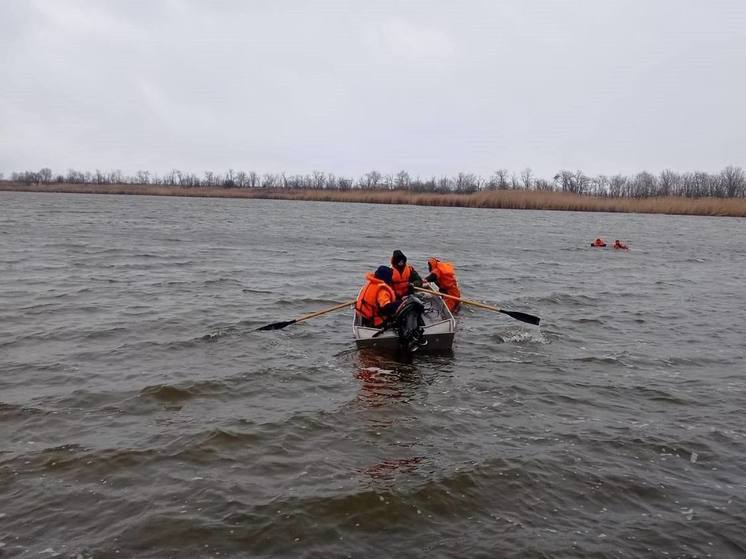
{"x": 374, "y": 295}
{"x": 401, "y": 280}
{"x": 445, "y": 277}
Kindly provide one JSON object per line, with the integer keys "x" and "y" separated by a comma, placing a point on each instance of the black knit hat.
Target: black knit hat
{"x": 398, "y": 257}
{"x": 384, "y": 273}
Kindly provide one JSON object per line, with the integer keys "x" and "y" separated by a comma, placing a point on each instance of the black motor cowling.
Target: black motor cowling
{"x": 409, "y": 324}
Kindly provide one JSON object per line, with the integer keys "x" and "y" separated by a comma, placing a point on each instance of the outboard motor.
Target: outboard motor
{"x": 408, "y": 323}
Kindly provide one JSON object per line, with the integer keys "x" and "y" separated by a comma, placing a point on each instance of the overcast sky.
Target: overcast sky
{"x": 346, "y": 86}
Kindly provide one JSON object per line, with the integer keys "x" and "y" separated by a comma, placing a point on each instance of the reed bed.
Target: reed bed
{"x": 497, "y": 199}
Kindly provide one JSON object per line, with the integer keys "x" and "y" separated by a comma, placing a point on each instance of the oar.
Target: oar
{"x": 280, "y": 325}
{"x": 522, "y": 316}
{"x": 385, "y": 328}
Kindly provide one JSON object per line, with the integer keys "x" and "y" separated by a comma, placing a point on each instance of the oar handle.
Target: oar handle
{"x": 467, "y": 301}
{"x": 330, "y": 309}
{"x": 522, "y": 316}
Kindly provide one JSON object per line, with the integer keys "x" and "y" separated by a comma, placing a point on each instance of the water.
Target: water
{"x": 141, "y": 415}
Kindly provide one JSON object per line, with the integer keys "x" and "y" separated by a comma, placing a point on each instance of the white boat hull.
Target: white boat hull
{"x": 439, "y": 330}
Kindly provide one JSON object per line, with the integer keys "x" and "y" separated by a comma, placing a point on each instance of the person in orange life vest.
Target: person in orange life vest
{"x": 403, "y": 275}
{"x": 443, "y": 275}
{"x": 377, "y": 300}
{"x": 620, "y": 245}
{"x": 598, "y": 243}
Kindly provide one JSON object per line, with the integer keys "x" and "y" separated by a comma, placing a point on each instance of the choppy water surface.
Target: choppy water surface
{"x": 141, "y": 415}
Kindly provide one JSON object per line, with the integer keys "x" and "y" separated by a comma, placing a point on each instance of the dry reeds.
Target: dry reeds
{"x": 498, "y": 199}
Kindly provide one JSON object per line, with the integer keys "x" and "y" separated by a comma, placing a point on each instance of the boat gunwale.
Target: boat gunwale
{"x": 386, "y": 338}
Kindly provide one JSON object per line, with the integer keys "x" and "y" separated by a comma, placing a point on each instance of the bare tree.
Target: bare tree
{"x": 466, "y": 183}
{"x": 582, "y": 181}
{"x": 74, "y": 177}
{"x": 716, "y": 186}
{"x": 229, "y": 181}
{"x": 370, "y": 180}
{"x": 617, "y": 186}
{"x": 268, "y": 181}
{"x": 701, "y": 184}
{"x": 142, "y": 177}
{"x": 575, "y": 183}
{"x": 499, "y": 180}
{"x": 426, "y": 185}
{"x": 644, "y": 185}
{"x": 565, "y": 181}
{"x": 402, "y": 181}
{"x": 444, "y": 184}
{"x": 527, "y": 179}
{"x": 668, "y": 183}
{"x": 318, "y": 180}
{"x": 733, "y": 181}
{"x": 45, "y": 175}
{"x": 599, "y": 186}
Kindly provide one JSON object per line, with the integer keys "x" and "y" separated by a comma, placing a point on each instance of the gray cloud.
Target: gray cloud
{"x": 432, "y": 87}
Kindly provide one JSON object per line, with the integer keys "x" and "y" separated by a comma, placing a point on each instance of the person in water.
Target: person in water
{"x": 377, "y": 301}
{"x": 403, "y": 275}
{"x": 443, "y": 275}
{"x": 620, "y": 245}
{"x": 599, "y": 242}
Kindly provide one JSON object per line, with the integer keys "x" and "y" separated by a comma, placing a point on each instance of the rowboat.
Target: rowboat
{"x": 439, "y": 329}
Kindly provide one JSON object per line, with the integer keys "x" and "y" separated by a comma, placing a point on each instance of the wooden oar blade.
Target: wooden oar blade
{"x": 523, "y": 317}
{"x": 281, "y": 325}
{"x": 277, "y": 325}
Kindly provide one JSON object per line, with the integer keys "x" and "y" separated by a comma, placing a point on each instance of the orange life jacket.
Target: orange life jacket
{"x": 401, "y": 280}
{"x": 598, "y": 243}
{"x": 445, "y": 277}
{"x": 374, "y": 295}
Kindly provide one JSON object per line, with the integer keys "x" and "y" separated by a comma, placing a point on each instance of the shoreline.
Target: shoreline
{"x": 494, "y": 199}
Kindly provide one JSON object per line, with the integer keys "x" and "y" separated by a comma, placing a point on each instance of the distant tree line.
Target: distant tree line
{"x": 728, "y": 183}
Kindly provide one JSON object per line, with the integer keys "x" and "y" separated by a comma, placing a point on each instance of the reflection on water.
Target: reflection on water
{"x": 383, "y": 379}
{"x": 387, "y": 383}
{"x": 388, "y": 469}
